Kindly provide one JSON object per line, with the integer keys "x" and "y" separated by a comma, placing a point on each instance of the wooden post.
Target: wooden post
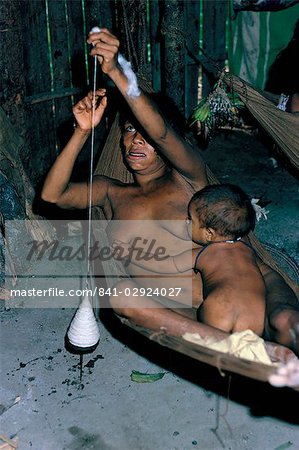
{"x": 155, "y": 42}
{"x": 192, "y": 18}
{"x": 40, "y": 119}
{"x": 133, "y": 34}
{"x": 173, "y": 59}
{"x": 97, "y": 14}
{"x": 12, "y": 80}
{"x": 61, "y": 74}
{"x": 77, "y": 44}
{"x": 214, "y": 39}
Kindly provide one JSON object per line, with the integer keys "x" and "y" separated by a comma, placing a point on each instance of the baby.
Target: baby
{"x": 219, "y": 216}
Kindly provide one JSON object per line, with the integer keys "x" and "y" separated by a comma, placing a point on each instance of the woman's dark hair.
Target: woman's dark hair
{"x": 226, "y": 208}
{"x": 166, "y": 107}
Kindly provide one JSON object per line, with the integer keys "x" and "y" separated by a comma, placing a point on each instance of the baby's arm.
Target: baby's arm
{"x": 151, "y": 261}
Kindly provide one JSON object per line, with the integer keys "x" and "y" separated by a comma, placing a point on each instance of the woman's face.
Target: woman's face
{"x": 139, "y": 154}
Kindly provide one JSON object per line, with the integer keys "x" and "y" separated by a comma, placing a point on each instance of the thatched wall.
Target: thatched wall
{"x": 45, "y": 65}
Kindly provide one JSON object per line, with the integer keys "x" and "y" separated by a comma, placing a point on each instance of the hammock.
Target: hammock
{"x": 282, "y": 126}
{"x": 110, "y": 164}
{"x": 222, "y": 361}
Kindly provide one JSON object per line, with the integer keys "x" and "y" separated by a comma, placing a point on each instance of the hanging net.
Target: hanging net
{"x": 282, "y": 126}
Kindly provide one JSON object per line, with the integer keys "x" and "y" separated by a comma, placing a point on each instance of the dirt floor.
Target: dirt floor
{"x": 46, "y": 406}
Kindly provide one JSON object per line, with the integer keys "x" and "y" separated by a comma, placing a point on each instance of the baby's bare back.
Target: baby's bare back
{"x": 233, "y": 289}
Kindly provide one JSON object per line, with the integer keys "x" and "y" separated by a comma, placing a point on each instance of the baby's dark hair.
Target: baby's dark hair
{"x": 226, "y": 208}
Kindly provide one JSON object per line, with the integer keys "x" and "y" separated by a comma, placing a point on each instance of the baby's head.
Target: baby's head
{"x": 220, "y": 211}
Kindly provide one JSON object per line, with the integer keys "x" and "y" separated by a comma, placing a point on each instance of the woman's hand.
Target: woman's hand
{"x": 105, "y": 47}
{"x": 84, "y": 108}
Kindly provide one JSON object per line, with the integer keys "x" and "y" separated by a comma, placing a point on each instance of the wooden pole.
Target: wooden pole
{"x": 12, "y": 81}
{"x": 40, "y": 117}
{"x": 155, "y": 42}
{"x": 133, "y": 34}
{"x": 192, "y": 17}
{"x": 173, "y": 52}
{"x": 214, "y": 38}
{"x": 99, "y": 14}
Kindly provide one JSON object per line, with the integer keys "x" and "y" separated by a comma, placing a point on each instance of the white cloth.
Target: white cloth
{"x": 244, "y": 344}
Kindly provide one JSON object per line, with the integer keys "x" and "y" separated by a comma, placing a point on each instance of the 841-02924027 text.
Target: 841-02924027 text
{"x": 111, "y": 292}
{"x": 141, "y": 292}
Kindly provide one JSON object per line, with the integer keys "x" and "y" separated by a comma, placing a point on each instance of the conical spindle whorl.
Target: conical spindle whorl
{"x": 83, "y": 333}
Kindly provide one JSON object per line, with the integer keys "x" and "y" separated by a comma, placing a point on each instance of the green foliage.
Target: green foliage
{"x": 218, "y": 109}
{"x": 140, "y": 377}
